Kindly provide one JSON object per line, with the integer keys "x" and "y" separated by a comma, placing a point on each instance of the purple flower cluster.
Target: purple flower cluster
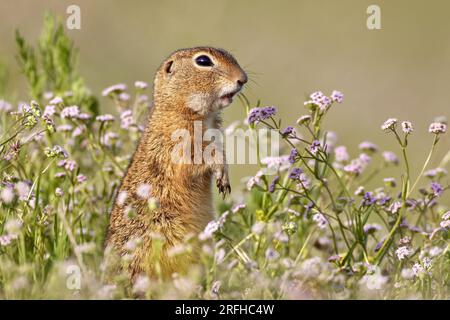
{"x": 293, "y": 155}
{"x": 295, "y": 173}
{"x": 259, "y": 114}
{"x": 368, "y": 199}
{"x": 437, "y": 189}
{"x": 320, "y": 100}
{"x": 273, "y": 184}
{"x": 314, "y": 148}
{"x": 287, "y": 131}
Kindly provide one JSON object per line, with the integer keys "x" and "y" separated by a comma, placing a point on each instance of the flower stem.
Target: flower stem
{"x": 436, "y": 139}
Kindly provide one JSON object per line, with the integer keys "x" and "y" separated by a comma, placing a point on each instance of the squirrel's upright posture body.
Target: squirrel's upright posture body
{"x": 192, "y": 85}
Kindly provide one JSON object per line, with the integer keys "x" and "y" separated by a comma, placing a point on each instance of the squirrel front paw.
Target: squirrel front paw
{"x": 223, "y": 181}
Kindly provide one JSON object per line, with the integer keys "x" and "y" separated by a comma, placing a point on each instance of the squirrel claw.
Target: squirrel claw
{"x": 224, "y": 187}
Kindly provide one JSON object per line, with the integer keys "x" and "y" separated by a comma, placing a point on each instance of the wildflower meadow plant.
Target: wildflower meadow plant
{"x": 321, "y": 223}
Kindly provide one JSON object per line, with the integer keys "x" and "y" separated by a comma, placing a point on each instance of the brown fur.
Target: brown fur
{"x": 183, "y": 190}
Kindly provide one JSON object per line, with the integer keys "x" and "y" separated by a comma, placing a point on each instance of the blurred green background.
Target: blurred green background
{"x": 291, "y": 48}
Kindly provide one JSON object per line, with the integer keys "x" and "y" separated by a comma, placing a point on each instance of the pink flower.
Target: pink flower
{"x": 368, "y": 146}
{"x": 56, "y": 101}
{"x": 105, "y": 118}
{"x": 59, "y": 192}
{"x": 319, "y": 99}
{"x": 124, "y": 96}
{"x": 141, "y": 85}
{"x": 81, "y": 178}
{"x": 70, "y": 112}
{"x": 7, "y": 194}
{"x": 337, "y": 96}
{"x": 49, "y": 111}
{"x": 437, "y": 128}
{"x": 389, "y": 124}
{"x": 5, "y": 106}
{"x": 114, "y": 89}
{"x": 144, "y": 190}
{"x": 407, "y": 127}
{"x": 320, "y": 220}
{"x": 126, "y": 119}
{"x": 390, "y": 157}
{"x": 64, "y": 128}
{"x": 341, "y": 154}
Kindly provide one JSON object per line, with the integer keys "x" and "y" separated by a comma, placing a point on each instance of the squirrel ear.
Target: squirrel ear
{"x": 168, "y": 66}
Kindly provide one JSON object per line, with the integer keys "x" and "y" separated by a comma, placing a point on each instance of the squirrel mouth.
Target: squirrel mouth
{"x": 227, "y": 98}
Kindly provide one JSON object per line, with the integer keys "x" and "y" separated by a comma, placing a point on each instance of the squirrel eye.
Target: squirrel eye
{"x": 204, "y": 61}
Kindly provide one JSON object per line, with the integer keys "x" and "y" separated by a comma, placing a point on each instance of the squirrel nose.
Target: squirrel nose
{"x": 243, "y": 80}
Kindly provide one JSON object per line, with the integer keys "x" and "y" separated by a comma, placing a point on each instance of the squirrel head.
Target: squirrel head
{"x": 200, "y": 80}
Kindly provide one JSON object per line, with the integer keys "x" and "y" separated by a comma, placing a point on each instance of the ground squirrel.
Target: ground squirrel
{"x": 191, "y": 85}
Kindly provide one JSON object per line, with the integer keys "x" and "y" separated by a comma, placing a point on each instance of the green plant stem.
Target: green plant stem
{"x": 435, "y": 141}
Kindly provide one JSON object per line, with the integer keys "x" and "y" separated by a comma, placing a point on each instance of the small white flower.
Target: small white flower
{"x": 6, "y": 240}
{"x": 56, "y": 101}
{"x": 141, "y": 285}
{"x": 407, "y": 273}
{"x": 375, "y": 280}
{"x": 59, "y": 192}
{"x": 105, "y": 118}
{"x": 7, "y": 195}
{"x": 177, "y": 250}
{"x": 276, "y": 163}
{"x": 417, "y": 269}
{"x": 258, "y": 227}
{"x": 132, "y": 244}
{"x": 389, "y": 124}
{"x": 404, "y": 252}
{"x": 437, "y": 128}
{"x": 435, "y": 251}
{"x": 88, "y": 247}
{"x": 114, "y": 89}
{"x": 272, "y": 254}
{"x": 359, "y": 191}
{"x": 5, "y": 106}
{"x": 320, "y": 220}
{"x": 49, "y": 111}
{"x": 143, "y": 190}
{"x": 121, "y": 197}
{"x": 70, "y": 112}
{"x": 253, "y": 181}
{"x": 341, "y": 154}
{"x": 124, "y": 96}
{"x": 395, "y": 207}
{"x": 427, "y": 263}
{"x": 141, "y": 85}
{"x": 304, "y": 119}
{"x": 216, "y": 287}
{"x": 13, "y": 227}
{"x": 107, "y": 291}
{"x": 209, "y": 230}
{"x": 445, "y": 223}
{"x": 64, "y": 128}
{"x": 407, "y": 127}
